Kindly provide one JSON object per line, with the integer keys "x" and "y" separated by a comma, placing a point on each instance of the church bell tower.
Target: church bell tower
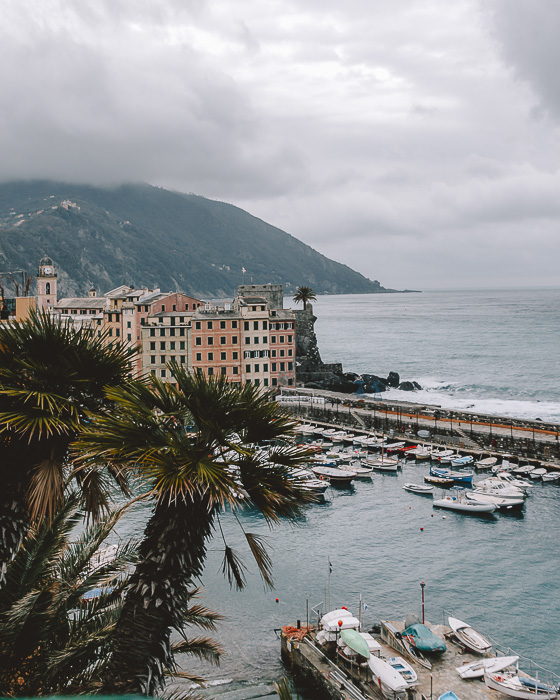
{"x": 47, "y": 280}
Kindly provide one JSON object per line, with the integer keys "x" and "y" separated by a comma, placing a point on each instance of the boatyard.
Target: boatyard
{"x": 328, "y": 672}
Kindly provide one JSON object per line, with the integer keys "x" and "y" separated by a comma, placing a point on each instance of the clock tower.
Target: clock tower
{"x": 47, "y": 293}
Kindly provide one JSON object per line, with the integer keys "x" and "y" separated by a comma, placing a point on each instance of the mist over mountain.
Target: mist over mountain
{"x": 144, "y": 235}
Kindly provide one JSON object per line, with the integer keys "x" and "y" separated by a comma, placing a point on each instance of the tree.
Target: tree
{"x": 51, "y": 377}
{"x": 304, "y": 294}
{"x": 193, "y": 473}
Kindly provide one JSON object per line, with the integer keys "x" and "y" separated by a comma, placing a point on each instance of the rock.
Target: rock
{"x": 393, "y": 380}
{"x": 417, "y": 386}
{"x": 312, "y": 385}
{"x": 407, "y": 386}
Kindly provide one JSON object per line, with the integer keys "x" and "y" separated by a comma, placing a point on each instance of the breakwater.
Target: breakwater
{"x": 532, "y": 440}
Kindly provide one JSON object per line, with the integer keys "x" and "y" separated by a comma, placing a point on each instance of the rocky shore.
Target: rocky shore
{"x": 313, "y": 373}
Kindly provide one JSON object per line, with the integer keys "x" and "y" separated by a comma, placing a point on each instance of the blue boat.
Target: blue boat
{"x": 423, "y": 639}
{"x": 458, "y": 477}
{"x": 450, "y": 695}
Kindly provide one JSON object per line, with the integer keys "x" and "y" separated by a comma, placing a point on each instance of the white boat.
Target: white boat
{"x": 338, "y": 436}
{"x": 318, "y": 430}
{"x": 423, "y": 453}
{"x": 499, "y": 488}
{"x": 335, "y": 476}
{"x": 404, "y": 668}
{"x": 508, "y": 478}
{"x": 373, "y": 442}
{"x": 439, "y": 454}
{"x": 469, "y": 637}
{"x": 523, "y": 469}
{"x": 447, "y": 459}
{"x": 349, "y": 437}
{"x": 389, "y": 680}
{"x": 537, "y": 473}
{"x": 310, "y": 482}
{"x": 382, "y": 464}
{"x": 418, "y": 488}
{"x": 476, "y": 669}
{"x": 463, "y": 505}
{"x": 393, "y": 446}
{"x": 519, "y": 686}
{"x": 551, "y": 476}
{"x": 500, "y": 502}
{"x": 306, "y": 429}
{"x": 462, "y": 461}
{"x": 486, "y": 463}
{"x": 361, "y": 471}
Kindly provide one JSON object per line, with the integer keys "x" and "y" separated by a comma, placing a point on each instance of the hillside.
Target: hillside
{"x": 144, "y": 235}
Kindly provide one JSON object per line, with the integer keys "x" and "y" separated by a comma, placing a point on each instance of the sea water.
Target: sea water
{"x": 495, "y": 350}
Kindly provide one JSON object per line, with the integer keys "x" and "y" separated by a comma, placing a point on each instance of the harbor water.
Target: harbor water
{"x": 500, "y": 573}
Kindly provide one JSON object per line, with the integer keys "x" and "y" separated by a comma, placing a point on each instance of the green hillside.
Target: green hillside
{"x": 144, "y": 235}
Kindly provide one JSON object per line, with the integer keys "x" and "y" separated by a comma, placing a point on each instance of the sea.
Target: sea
{"x": 370, "y": 546}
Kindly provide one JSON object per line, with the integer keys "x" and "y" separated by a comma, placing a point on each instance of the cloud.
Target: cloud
{"x": 374, "y": 131}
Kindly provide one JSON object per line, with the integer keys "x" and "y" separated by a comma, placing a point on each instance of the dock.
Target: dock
{"x": 327, "y": 676}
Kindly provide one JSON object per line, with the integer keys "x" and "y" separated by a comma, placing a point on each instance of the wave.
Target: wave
{"x": 478, "y": 399}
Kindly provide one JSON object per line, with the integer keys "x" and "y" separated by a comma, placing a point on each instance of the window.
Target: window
{"x": 282, "y": 366}
{"x": 273, "y": 366}
{"x": 182, "y": 359}
{"x": 248, "y": 369}
{"x": 247, "y": 354}
{"x": 273, "y": 353}
{"x": 290, "y": 366}
{"x": 128, "y": 324}
{"x": 235, "y": 370}
{"x": 222, "y": 324}
{"x": 265, "y": 324}
{"x": 198, "y": 357}
{"x": 210, "y": 340}
{"x": 181, "y": 319}
{"x": 282, "y": 352}
{"x": 274, "y": 381}
{"x": 162, "y": 332}
{"x": 197, "y": 325}
{"x": 247, "y": 341}
{"x": 223, "y": 356}
{"x": 289, "y": 339}
{"x": 255, "y": 325}
{"x": 118, "y": 332}
{"x": 142, "y": 321}
{"x": 253, "y": 308}
{"x": 172, "y": 331}
{"x": 209, "y": 325}
{"x": 162, "y": 345}
{"x": 234, "y": 339}
{"x": 290, "y": 382}
{"x": 210, "y": 357}
{"x": 182, "y": 345}
{"x": 172, "y": 345}
{"x": 246, "y": 325}
{"x": 234, "y": 324}
{"x": 110, "y": 318}
{"x": 223, "y": 340}
{"x": 265, "y": 339}
{"x": 181, "y": 331}
{"x": 174, "y": 307}
{"x": 152, "y": 346}
{"x": 152, "y": 332}
{"x": 282, "y": 338}
{"x": 172, "y": 320}
{"x": 162, "y": 359}
{"x": 152, "y": 359}
{"x": 265, "y": 381}
{"x": 129, "y": 336}
{"x": 163, "y": 308}
{"x": 210, "y": 371}
{"x": 198, "y": 340}
{"x": 234, "y": 355}
{"x": 257, "y": 381}
{"x": 163, "y": 373}
{"x": 223, "y": 370}
{"x": 257, "y": 368}
{"x": 265, "y": 368}
{"x": 256, "y": 340}
{"x": 272, "y": 338}
{"x": 187, "y": 307}
{"x": 110, "y": 332}
{"x": 290, "y": 353}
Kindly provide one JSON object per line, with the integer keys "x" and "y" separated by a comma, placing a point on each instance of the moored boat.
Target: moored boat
{"x": 486, "y": 463}
{"x": 469, "y": 637}
{"x": 458, "y": 477}
{"x": 537, "y": 473}
{"x": 476, "y": 669}
{"x": 462, "y": 461}
{"x": 418, "y": 488}
{"x": 342, "y": 477}
{"x": 516, "y": 686}
{"x": 498, "y": 487}
{"x": 441, "y": 454}
{"x": 404, "y": 668}
{"x": 463, "y": 505}
{"x": 500, "y": 502}
{"x": 438, "y": 480}
{"x": 551, "y": 476}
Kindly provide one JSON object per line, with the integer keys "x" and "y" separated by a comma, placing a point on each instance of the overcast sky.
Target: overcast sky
{"x": 414, "y": 140}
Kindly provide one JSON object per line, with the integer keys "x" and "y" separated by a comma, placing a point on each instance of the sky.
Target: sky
{"x": 414, "y": 140}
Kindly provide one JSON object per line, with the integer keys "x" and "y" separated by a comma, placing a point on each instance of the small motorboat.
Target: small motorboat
{"x": 338, "y": 436}
{"x": 450, "y": 695}
{"x": 516, "y": 686}
{"x": 438, "y": 480}
{"x": 523, "y": 469}
{"x": 309, "y": 482}
{"x": 418, "y": 488}
{"x": 486, "y": 463}
{"x": 458, "y": 477}
{"x": 476, "y": 669}
{"x": 469, "y": 637}
{"x": 361, "y": 471}
{"x": 382, "y": 463}
{"x": 441, "y": 454}
{"x": 394, "y": 446}
{"x": 551, "y": 476}
{"x": 341, "y": 477}
{"x": 423, "y": 453}
{"x": 462, "y": 461}
{"x": 500, "y": 502}
{"x": 389, "y": 679}
{"x": 499, "y": 488}
{"x": 537, "y": 473}
{"x": 423, "y": 639}
{"x": 463, "y": 505}
{"x": 404, "y": 668}
{"x": 508, "y": 478}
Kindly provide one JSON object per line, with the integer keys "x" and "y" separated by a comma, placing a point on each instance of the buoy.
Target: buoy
{"x": 277, "y": 600}
{"x": 444, "y": 517}
{"x": 432, "y": 515}
{"x": 421, "y": 529}
{"x": 344, "y": 607}
{"x": 340, "y": 623}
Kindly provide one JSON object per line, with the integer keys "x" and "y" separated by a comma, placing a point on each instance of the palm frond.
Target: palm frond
{"x": 257, "y": 544}
{"x": 201, "y": 647}
{"x": 233, "y": 568}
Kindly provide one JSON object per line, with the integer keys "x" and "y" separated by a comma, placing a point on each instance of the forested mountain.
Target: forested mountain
{"x": 147, "y": 236}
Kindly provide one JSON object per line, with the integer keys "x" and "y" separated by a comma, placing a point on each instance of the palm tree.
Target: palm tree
{"x": 304, "y": 294}
{"x": 192, "y": 476}
{"x": 51, "y": 377}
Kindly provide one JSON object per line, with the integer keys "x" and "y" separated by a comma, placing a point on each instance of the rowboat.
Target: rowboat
{"x": 438, "y": 480}
{"x": 423, "y": 453}
{"x": 551, "y": 476}
{"x": 519, "y": 686}
{"x": 335, "y": 476}
{"x": 441, "y": 454}
{"x": 462, "y": 461}
{"x": 537, "y": 473}
{"x": 469, "y": 637}
{"x": 382, "y": 463}
{"x": 458, "y": 477}
{"x": 486, "y": 463}
{"x": 418, "y": 488}
{"x": 355, "y": 642}
{"x": 404, "y": 668}
{"x": 389, "y": 680}
{"x": 476, "y": 669}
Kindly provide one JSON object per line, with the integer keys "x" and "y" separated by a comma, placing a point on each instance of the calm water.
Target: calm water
{"x": 500, "y": 573}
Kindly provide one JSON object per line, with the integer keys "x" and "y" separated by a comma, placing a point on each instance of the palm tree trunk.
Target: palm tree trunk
{"x": 172, "y": 553}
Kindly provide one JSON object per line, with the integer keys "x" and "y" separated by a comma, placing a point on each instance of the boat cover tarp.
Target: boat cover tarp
{"x": 424, "y": 639}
